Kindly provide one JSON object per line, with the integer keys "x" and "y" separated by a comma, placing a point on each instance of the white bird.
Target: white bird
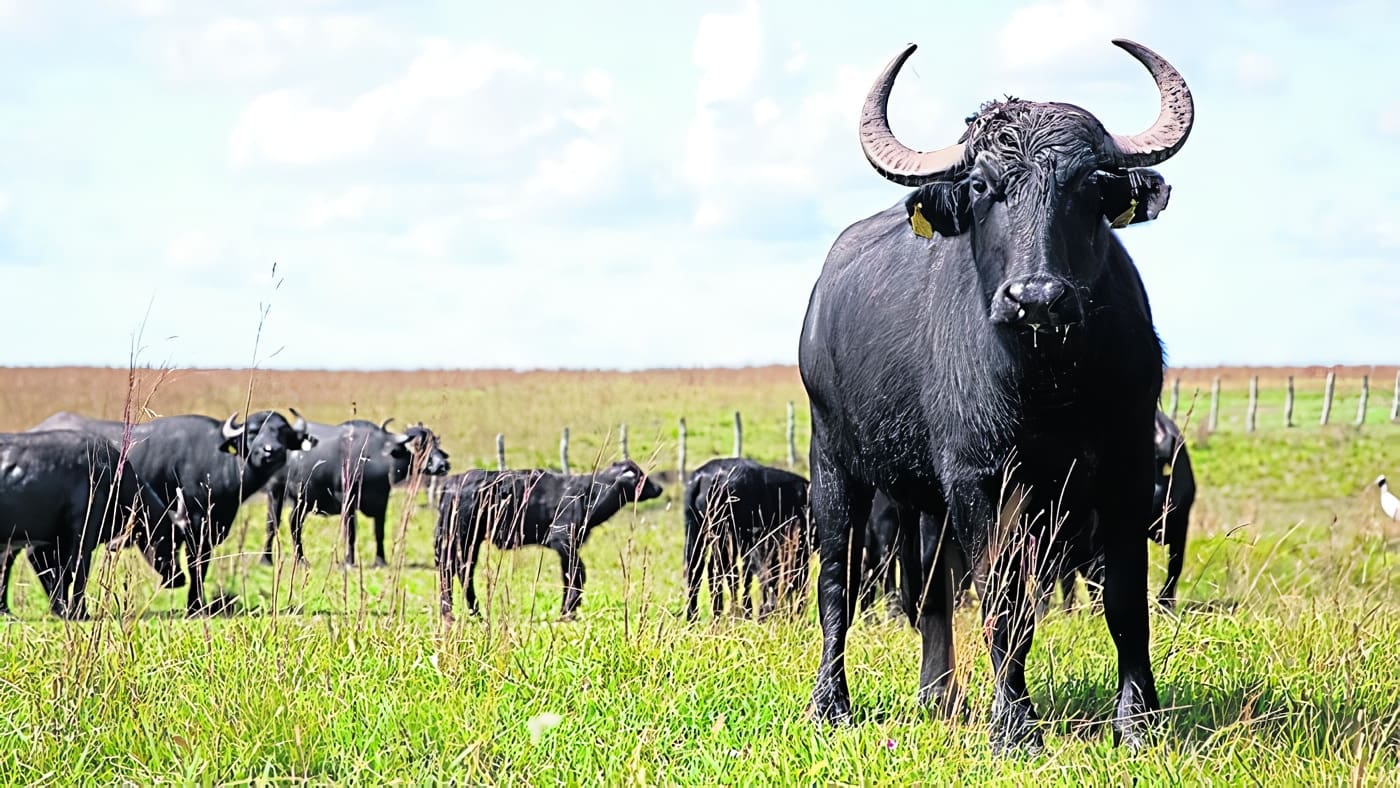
{"x": 1389, "y": 503}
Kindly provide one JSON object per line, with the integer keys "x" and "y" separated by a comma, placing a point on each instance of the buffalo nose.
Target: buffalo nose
{"x": 1033, "y": 301}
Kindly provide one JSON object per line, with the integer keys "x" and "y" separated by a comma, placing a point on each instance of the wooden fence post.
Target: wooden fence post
{"x": 1365, "y": 398}
{"x": 500, "y": 452}
{"x": 564, "y": 451}
{"x": 680, "y": 442}
{"x": 1252, "y": 416}
{"x": 1176, "y": 398}
{"x": 1214, "y": 420}
{"x": 738, "y": 435}
{"x": 622, "y": 438}
{"x": 1329, "y": 388}
{"x": 792, "y": 435}
{"x": 1395, "y": 399}
{"x": 1288, "y": 404}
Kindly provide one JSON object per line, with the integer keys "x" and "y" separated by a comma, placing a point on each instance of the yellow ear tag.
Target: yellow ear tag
{"x": 1167, "y": 469}
{"x": 1125, "y": 217}
{"x": 921, "y": 226}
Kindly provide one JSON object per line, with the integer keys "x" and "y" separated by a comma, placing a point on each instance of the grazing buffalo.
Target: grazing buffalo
{"x": 745, "y": 520}
{"x": 1173, "y": 495}
{"x": 212, "y": 466}
{"x": 984, "y": 352}
{"x": 353, "y": 467}
{"x": 63, "y": 492}
{"x": 516, "y": 508}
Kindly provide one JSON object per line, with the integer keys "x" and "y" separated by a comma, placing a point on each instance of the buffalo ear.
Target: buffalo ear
{"x": 1136, "y": 196}
{"x": 938, "y": 208}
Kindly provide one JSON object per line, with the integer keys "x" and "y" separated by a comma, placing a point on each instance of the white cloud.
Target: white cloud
{"x": 346, "y": 206}
{"x": 1255, "y": 70}
{"x": 1389, "y": 120}
{"x": 584, "y": 167}
{"x": 476, "y": 100}
{"x": 729, "y": 52}
{"x": 1065, "y": 32}
{"x": 191, "y": 249}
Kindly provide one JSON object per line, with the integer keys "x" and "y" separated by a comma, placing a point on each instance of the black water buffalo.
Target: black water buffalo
{"x": 61, "y": 493}
{"x": 353, "y": 467}
{"x": 984, "y": 352}
{"x": 1173, "y": 495}
{"x": 534, "y": 507}
{"x": 744, "y": 520}
{"x": 214, "y": 466}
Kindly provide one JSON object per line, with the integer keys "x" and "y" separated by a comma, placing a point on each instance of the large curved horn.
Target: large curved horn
{"x": 300, "y": 424}
{"x": 229, "y": 429}
{"x": 387, "y": 422}
{"x": 888, "y": 155}
{"x": 1166, "y": 136}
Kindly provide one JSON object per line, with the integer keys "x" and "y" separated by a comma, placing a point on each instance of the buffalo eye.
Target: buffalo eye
{"x": 978, "y": 185}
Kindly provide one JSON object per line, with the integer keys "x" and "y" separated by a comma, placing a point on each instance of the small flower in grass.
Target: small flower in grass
{"x": 540, "y": 724}
{"x": 890, "y": 744}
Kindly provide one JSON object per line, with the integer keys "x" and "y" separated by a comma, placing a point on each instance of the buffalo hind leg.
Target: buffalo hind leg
{"x": 349, "y": 519}
{"x": 938, "y": 689}
{"x": 572, "y": 572}
{"x": 1176, "y": 559}
{"x": 694, "y": 560}
{"x": 840, "y": 506}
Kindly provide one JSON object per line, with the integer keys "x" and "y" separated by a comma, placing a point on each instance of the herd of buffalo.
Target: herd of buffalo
{"x": 983, "y": 373}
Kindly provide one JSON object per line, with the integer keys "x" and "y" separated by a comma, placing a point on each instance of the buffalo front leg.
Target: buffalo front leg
{"x": 840, "y": 507}
{"x": 297, "y": 523}
{"x": 1007, "y": 612}
{"x": 274, "y": 523}
{"x": 1125, "y": 496}
{"x": 7, "y": 563}
{"x": 379, "y": 558}
{"x": 198, "y": 552}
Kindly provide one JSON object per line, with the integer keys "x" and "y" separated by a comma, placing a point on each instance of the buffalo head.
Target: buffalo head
{"x": 1037, "y": 186}
{"x": 265, "y": 438}
{"x": 428, "y": 450}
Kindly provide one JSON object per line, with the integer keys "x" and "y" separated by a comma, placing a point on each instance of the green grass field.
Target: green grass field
{"x": 1282, "y": 666}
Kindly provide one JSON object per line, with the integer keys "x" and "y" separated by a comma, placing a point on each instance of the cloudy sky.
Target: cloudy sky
{"x": 637, "y": 184}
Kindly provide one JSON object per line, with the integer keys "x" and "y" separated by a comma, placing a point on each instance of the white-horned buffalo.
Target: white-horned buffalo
{"x": 984, "y": 352}
{"x": 352, "y": 468}
{"x": 212, "y": 466}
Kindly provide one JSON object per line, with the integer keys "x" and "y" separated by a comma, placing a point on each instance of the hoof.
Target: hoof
{"x": 830, "y": 710}
{"x": 380, "y": 563}
{"x": 1016, "y": 730}
{"x": 950, "y": 704}
{"x": 1134, "y": 735}
{"x": 266, "y": 559}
